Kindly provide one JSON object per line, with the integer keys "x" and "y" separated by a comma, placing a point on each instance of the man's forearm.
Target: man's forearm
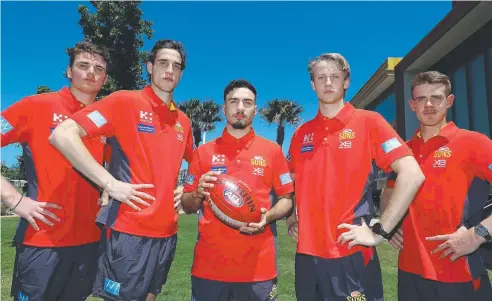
{"x": 191, "y": 202}
{"x": 384, "y": 199}
{"x": 406, "y": 186}
{"x": 282, "y": 208}
{"x": 10, "y": 196}
{"x": 68, "y": 141}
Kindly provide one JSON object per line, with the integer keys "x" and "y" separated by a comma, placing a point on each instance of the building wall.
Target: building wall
{"x": 469, "y": 67}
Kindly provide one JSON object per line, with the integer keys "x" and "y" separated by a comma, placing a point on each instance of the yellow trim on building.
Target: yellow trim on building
{"x": 377, "y": 84}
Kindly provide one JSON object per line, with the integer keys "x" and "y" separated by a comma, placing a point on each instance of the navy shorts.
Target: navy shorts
{"x": 412, "y": 287}
{"x": 132, "y": 266}
{"x": 340, "y": 279}
{"x": 54, "y": 274}
{"x": 211, "y": 290}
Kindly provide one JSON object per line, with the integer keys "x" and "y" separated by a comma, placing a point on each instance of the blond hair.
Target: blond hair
{"x": 337, "y": 58}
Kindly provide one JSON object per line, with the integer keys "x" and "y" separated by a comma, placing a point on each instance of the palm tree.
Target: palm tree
{"x": 203, "y": 116}
{"x": 210, "y": 115}
{"x": 282, "y": 112}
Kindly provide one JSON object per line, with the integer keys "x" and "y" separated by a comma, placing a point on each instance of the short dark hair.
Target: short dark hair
{"x": 239, "y": 83}
{"x": 88, "y": 47}
{"x": 169, "y": 44}
{"x": 432, "y": 77}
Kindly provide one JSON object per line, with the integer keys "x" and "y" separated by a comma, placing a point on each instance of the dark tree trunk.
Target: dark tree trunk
{"x": 280, "y": 134}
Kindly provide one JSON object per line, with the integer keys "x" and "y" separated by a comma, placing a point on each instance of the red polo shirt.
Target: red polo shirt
{"x": 332, "y": 162}
{"x": 450, "y": 161}
{"x": 221, "y": 252}
{"x": 148, "y": 141}
{"x": 50, "y": 176}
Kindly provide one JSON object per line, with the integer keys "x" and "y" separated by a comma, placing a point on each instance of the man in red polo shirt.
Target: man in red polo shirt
{"x": 231, "y": 264}
{"x": 149, "y": 137}
{"x": 331, "y": 160}
{"x": 45, "y": 257}
{"x": 444, "y": 220}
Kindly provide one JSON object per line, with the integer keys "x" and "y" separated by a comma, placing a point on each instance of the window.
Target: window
{"x": 387, "y": 108}
{"x": 461, "y": 101}
{"x": 478, "y": 93}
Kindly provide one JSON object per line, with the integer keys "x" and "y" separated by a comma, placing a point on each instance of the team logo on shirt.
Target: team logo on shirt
{"x": 443, "y": 152}
{"x": 145, "y": 117}
{"x": 490, "y": 166}
{"x": 356, "y": 296}
{"x": 440, "y": 157}
{"x": 178, "y": 127}
{"x": 346, "y": 138}
{"x": 103, "y": 139}
{"x": 218, "y": 159}
{"x": 258, "y": 161}
{"x": 6, "y": 126}
{"x": 59, "y": 118}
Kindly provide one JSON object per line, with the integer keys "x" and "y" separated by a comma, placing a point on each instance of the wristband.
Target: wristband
{"x": 22, "y": 196}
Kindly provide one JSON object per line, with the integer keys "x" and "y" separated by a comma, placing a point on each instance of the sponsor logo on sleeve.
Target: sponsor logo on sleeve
{"x": 390, "y": 145}
{"x": 97, "y": 118}
{"x": 6, "y": 126}
{"x": 285, "y": 178}
{"x": 190, "y": 179}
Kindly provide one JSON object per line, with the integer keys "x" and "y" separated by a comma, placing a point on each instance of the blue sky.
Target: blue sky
{"x": 268, "y": 43}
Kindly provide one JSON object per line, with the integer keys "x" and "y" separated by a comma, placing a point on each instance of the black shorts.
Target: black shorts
{"x": 132, "y": 266}
{"x": 211, "y": 290}
{"x": 412, "y": 287}
{"x": 54, "y": 274}
{"x": 340, "y": 279}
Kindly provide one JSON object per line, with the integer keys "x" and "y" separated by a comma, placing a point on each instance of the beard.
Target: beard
{"x": 239, "y": 125}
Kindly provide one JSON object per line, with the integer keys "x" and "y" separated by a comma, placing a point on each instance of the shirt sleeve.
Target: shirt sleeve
{"x": 292, "y": 155}
{"x": 282, "y": 182}
{"x": 190, "y": 146}
{"x": 481, "y": 157}
{"x": 386, "y": 145}
{"x": 100, "y": 118}
{"x": 16, "y": 122}
{"x": 194, "y": 173}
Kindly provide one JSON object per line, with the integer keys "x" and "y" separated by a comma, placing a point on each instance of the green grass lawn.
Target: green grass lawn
{"x": 178, "y": 284}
